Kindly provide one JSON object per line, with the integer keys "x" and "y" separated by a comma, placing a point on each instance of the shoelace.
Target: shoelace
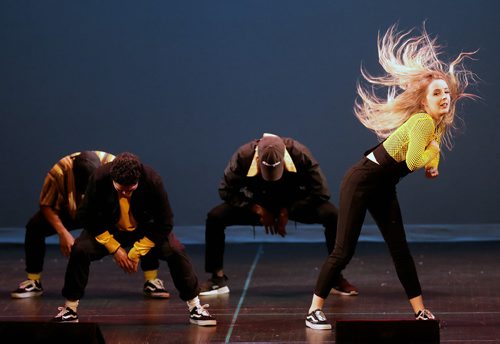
{"x": 158, "y": 283}
{"x": 320, "y": 315}
{"x": 26, "y": 283}
{"x": 201, "y": 310}
{"x": 425, "y": 314}
{"x": 62, "y": 311}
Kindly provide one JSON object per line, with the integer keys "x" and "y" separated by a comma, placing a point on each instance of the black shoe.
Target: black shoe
{"x": 317, "y": 320}
{"x": 344, "y": 288}
{"x": 215, "y": 286}
{"x": 200, "y": 316}
{"x": 65, "y": 315}
{"x": 155, "y": 289}
{"x": 28, "y": 288}
{"x": 424, "y": 314}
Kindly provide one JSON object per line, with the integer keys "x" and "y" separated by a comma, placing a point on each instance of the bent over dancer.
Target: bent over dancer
{"x": 268, "y": 182}
{"x": 126, "y": 206}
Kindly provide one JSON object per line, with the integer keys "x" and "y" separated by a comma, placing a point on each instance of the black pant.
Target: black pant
{"x": 225, "y": 215}
{"x": 38, "y": 229}
{"x": 86, "y": 249}
{"x": 369, "y": 186}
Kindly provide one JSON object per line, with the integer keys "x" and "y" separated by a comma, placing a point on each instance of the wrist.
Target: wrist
{"x": 113, "y": 253}
{"x": 257, "y": 209}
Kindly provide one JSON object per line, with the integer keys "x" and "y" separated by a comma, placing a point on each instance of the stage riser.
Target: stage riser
{"x": 386, "y": 331}
{"x": 50, "y": 333}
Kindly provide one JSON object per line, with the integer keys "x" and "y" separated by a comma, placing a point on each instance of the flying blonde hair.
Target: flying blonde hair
{"x": 410, "y": 63}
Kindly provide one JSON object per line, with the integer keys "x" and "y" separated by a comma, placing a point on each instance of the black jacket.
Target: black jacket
{"x": 306, "y": 185}
{"x": 149, "y": 204}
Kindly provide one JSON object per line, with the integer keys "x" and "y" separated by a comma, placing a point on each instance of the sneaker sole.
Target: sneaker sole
{"x": 158, "y": 295}
{"x": 343, "y": 293}
{"x": 218, "y": 291}
{"x": 203, "y": 322}
{"x": 318, "y": 326}
{"x": 68, "y": 321}
{"x": 26, "y": 295}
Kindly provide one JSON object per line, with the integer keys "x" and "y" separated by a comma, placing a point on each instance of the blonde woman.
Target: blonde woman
{"x": 413, "y": 122}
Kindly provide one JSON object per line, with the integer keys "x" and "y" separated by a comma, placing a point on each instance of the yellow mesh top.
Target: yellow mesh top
{"x": 410, "y": 142}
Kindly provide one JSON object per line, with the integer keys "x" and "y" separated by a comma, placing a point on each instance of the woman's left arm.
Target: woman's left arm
{"x": 422, "y": 148}
{"x": 431, "y": 168}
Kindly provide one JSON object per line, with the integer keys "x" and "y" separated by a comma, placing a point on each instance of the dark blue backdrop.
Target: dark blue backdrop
{"x": 184, "y": 83}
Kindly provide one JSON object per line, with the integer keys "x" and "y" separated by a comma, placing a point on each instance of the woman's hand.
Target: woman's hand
{"x": 431, "y": 173}
{"x": 435, "y": 144}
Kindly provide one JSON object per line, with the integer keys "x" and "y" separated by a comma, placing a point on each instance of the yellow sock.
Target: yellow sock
{"x": 150, "y": 275}
{"x": 72, "y": 304}
{"x": 35, "y": 277}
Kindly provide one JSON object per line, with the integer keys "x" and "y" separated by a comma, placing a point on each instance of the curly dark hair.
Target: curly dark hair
{"x": 126, "y": 169}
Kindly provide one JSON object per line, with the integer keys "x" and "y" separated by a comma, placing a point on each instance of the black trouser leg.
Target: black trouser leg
{"x": 85, "y": 250}
{"x": 352, "y": 211}
{"x": 37, "y": 230}
{"x": 387, "y": 215}
{"x": 149, "y": 263}
{"x": 324, "y": 213}
{"x": 181, "y": 268}
{"x": 218, "y": 219}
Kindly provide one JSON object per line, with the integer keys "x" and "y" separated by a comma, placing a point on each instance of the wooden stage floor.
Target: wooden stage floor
{"x": 271, "y": 288}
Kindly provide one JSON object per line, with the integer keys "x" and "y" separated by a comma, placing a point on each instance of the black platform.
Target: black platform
{"x": 271, "y": 289}
{"x": 35, "y": 332}
{"x": 386, "y": 331}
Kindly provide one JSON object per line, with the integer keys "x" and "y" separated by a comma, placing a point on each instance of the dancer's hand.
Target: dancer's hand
{"x": 66, "y": 241}
{"x": 431, "y": 172}
{"x": 435, "y": 144}
{"x": 266, "y": 219}
{"x": 282, "y": 221}
{"x": 124, "y": 262}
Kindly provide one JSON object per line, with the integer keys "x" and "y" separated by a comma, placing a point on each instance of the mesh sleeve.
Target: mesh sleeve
{"x": 419, "y": 151}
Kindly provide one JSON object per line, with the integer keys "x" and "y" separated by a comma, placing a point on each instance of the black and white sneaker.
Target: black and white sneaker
{"x": 424, "y": 314}
{"x": 317, "y": 320}
{"x": 200, "y": 316}
{"x": 215, "y": 286}
{"x": 65, "y": 315}
{"x": 28, "y": 288}
{"x": 155, "y": 289}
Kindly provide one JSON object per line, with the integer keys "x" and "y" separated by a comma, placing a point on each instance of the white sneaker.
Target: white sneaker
{"x": 28, "y": 288}
{"x": 317, "y": 320}
{"x": 200, "y": 316}
{"x": 155, "y": 289}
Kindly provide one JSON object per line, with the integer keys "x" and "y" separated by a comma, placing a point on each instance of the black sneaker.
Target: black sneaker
{"x": 344, "y": 288}
{"x": 155, "y": 289}
{"x": 424, "y": 314}
{"x": 65, "y": 315}
{"x": 28, "y": 288}
{"x": 200, "y": 316}
{"x": 317, "y": 320}
{"x": 215, "y": 286}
